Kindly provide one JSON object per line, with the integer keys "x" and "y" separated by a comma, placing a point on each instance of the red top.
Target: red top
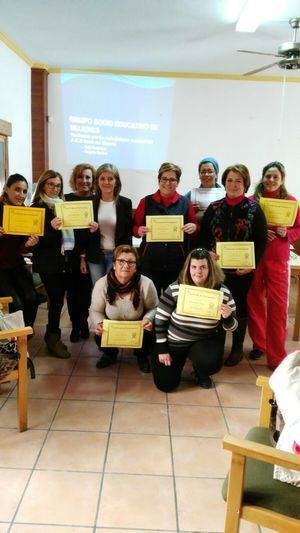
{"x": 279, "y": 248}
{"x": 234, "y": 201}
{"x": 139, "y": 215}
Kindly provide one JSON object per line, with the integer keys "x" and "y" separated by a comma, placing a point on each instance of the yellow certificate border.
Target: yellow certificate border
{"x": 59, "y": 210}
{"x": 151, "y": 220}
{"x": 269, "y": 204}
{"x": 222, "y": 248}
{"x": 121, "y": 324}
{"x": 8, "y": 219}
{"x": 183, "y": 303}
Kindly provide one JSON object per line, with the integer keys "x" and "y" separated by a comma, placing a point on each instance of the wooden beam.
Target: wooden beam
{"x": 5, "y": 128}
{"x": 39, "y": 128}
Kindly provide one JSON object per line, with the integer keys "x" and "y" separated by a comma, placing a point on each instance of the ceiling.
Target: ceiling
{"x": 188, "y": 36}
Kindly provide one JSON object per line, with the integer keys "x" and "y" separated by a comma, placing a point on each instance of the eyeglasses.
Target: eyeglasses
{"x": 171, "y": 180}
{"x": 53, "y": 186}
{"x": 123, "y": 262}
{"x": 209, "y": 172}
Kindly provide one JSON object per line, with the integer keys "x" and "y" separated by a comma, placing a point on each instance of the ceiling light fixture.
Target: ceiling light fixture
{"x": 255, "y": 12}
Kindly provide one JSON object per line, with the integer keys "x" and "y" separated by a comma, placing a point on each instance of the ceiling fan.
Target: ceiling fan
{"x": 289, "y": 53}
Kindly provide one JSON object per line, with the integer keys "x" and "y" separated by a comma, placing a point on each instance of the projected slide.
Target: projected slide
{"x": 124, "y": 120}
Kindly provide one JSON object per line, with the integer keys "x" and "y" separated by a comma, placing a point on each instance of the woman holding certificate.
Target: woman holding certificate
{"x": 237, "y": 220}
{"x": 114, "y": 216}
{"x": 181, "y": 334}
{"x": 80, "y": 286}
{"x": 51, "y": 257}
{"x": 15, "y": 278}
{"x": 268, "y": 295}
{"x": 161, "y": 257}
{"x": 123, "y": 294}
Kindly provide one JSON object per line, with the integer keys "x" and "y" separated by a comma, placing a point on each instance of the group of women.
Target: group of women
{"x": 144, "y": 286}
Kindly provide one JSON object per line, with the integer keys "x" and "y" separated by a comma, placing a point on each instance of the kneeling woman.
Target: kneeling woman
{"x": 181, "y": 337}
{"x": 124, "y": 294}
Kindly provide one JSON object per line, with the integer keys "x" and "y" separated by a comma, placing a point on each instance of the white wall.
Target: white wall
{"x": 15, "y": 107}
{"x": 234, "y": 121}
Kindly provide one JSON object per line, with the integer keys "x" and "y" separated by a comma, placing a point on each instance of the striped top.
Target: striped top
{"x": 174, "y": 329}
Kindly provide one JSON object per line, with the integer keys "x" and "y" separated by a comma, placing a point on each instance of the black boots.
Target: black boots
{"x": 55, "y": 345}
{"x": 238, "y": 336}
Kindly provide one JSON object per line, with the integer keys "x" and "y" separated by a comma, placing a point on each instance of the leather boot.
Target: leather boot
{"x": 238, "y": 336}
{"x": 55, "y": 346}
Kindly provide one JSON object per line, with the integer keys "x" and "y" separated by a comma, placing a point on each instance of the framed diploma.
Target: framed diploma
{"x": 165, "y": 228}
{"x": 75, "y": 215}
{"x": 236, "y": 254}
{"x": 18, "y": 220}
{"x": 199, "y": 302}
{"x": 122, "y": 334}
{"x": 279, "y": 212}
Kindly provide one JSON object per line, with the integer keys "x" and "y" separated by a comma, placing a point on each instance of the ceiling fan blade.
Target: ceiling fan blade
{"x": 258, "y": 53}
{"x": 260, "y": 69}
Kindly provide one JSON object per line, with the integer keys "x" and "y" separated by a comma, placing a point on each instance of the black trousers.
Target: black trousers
{"x": 206, "y": 355}
{"x": 239, "y": 287}
{"x": 56, "y": 286}
{"x": 79, "y": 289}
{"x": 161, "y": 278}
{"x": 18, "y": 283}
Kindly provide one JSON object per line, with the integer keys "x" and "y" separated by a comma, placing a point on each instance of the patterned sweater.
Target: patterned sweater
{"x": 174, "y": 329}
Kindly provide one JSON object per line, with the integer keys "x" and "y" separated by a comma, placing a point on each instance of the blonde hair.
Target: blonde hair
{"x": 215, "y": 274}
{"x": 76, "y": 173}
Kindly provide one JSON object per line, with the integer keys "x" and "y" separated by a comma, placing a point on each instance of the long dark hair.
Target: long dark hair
{"x": 13, "y": 178}
{"x": 259, "y": 189}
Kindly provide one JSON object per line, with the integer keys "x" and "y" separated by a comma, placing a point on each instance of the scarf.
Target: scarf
{"x": 68, "y": 238}
{"x": 114, "y": 287}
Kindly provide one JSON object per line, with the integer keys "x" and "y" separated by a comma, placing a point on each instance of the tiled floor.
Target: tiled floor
{"x": 106, "y": 452}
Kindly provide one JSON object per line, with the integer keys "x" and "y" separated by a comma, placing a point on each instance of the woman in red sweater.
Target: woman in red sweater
{"x": 268, "y": 295}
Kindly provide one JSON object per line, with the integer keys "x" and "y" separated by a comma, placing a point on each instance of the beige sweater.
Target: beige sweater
{"x": 122, "y": 309}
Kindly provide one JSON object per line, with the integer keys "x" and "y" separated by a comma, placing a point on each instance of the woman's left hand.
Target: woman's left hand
{"x": 281, "y": 231}
{"x": 31, "y": 241}
{"x": 226, "y": 311}
{"x": 147, "y": 325}
{"x": 243, "y": 271}
{"x": 189, "y": 228}
{"x": 56, "y": 222}
{"x": 93, "y": 226}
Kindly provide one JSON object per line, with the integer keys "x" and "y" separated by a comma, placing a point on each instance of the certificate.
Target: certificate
{"x": 199, "y": 302}
{"x": 236, "y": 254}
{"x": 122, "y": 334}
{"x": 279, "y": 212}
{"x": 165, "y": 228}
{"x": 18, "y": 220}
{"x": 75, "y": 215}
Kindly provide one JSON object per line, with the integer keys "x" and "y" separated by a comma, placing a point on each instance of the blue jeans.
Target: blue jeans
{"x": 98, "y": 270}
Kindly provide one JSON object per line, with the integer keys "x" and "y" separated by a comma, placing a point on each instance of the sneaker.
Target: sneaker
{"x": 205, "y": 382}
{"x": 255, "y": 354}
{"x": 143, "y": 364}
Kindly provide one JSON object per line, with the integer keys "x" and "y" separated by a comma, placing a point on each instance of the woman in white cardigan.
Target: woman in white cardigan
{"x": 124, "y": 294}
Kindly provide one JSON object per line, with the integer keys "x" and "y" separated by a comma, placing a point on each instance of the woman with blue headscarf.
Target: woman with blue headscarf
{"x": 209, "y": 190}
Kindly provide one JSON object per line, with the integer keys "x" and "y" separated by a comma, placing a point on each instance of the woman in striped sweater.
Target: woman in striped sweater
{"x": 180, "y": 337}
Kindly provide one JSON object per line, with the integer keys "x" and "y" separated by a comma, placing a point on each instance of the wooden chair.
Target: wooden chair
{"x": 250, "y": 490}
{"x": 20, "y": 374}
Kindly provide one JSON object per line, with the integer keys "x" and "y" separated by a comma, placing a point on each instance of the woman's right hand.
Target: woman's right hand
{"x": 142, "y": 231}
{"x": 271, "y": 235}
{"x": 99, "y": 329}
{"x": 165, "y": 359}
{"x": 56, "y": 222}
{"x": 83, "y": 265}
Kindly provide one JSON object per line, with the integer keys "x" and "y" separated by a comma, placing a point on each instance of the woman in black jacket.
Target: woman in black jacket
{"x": 51, "y": 256}
{"x": 114, "y": 216}
{"x": 80, "y": 285}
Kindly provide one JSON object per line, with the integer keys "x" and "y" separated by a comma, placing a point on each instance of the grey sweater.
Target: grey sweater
{"x": 122, "y": 308}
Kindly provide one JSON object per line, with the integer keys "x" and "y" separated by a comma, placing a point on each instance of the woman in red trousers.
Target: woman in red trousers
{"x": 268, "y": 295}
